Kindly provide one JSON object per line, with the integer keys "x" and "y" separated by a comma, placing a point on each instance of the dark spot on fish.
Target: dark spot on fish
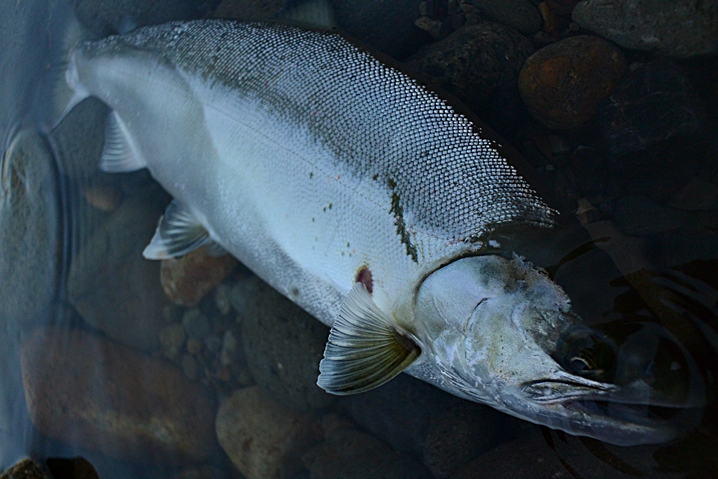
{"x": 375, "y": 177}
{"x": 330, "y": 206}
{"x": 311, "y": 174}
{"x": 364, "y": 277}
{"x": 312, "y": 219}
{"x": 398, "y": 212}
{"x": 391, "y": 183}
{"x": 295, "y": 291}
{"x": 348, "y": 244}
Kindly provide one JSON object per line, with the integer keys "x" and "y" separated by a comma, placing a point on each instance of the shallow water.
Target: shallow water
{"x": 208, "y": 372}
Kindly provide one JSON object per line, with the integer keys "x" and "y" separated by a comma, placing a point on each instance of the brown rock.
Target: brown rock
{"x": 104, "y": 197}
{"x": 264, "y": 439}
{"x": 25, "y": 469}
{"x": 84, "y": 390}
{"x": 188, "y": 279}
{"x": 562, "y": 84}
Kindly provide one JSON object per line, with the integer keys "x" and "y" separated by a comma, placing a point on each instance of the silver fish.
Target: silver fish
{"x": 362, "y": 197}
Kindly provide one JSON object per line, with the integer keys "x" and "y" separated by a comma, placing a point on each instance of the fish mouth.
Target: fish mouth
{"x": 622, "y": 415}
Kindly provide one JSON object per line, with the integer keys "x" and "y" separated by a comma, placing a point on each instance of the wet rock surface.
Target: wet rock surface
{"x": 283, "y": 345}
{"x": 25, "y": 469}
{"x": 348, "y": 453}
{"x": 653, "y": 106}
{"x": 113, "y": 287}
{"x": 188, "y": 279}
{"x": 262, "y": 437}
{"x": 386, "y": 26}
{"x": 564, "y": 83}
{"x": 679, "y": 28}
{"x": 480, "y": 64}
{"x": 87, "y": 391}
{"x": 521, "y": 15}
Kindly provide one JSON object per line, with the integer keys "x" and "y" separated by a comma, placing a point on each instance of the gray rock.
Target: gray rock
{"x": 350, "y": 454}
{"x": 387, "y": 26}
{"x": 196, "y": 324}
{"x": 30, "y": 232}
{"x": 480, "y": 64}
{"x": 283, "y": 346}
{"x": 677, "y": 28}
{"x": 221, "y": 299}
{"x": 521, "y": 15}
{"x": 462, "y": 433}
{"x": 229, "y": 351}
{"x": 190, "y": 367}
{"x": 111, "y": 285}
{"x": 24, "y": 469}
{"x": 263, "y": 438}
{"x": 172, "y": 338}
{"x": 105, "y": 17}
{"x": 400, "y": 412}
{"x": 248, "y": 10}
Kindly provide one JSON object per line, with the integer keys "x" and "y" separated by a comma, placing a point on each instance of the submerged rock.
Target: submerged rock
{"x": 480, "y": 64}
{"x": 283, "y": 346}
{"x": 387, "y": 26}
{"x": 88, "y": 392}
{"x": 351, "y": 454}
{"x": 263, "y": 438}
{"x": 112, "y": 286}
{"x": 248, "y": 10}
{"x": 678, "y": 28}
{"x": 652, "y": 105}
{"x": 564, "y": 83}
{"x": 521, "y": 15}
{"x": 24, "y": 469}
{"x": 188, "y": 279}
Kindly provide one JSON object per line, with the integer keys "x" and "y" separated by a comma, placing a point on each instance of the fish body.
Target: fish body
{"x": 355, "y": 192}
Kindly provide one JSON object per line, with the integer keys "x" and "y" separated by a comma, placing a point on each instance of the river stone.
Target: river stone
{"x": 25, "y": 469}
{"x": 652, "y": 106}
{"x": 351, "y": 454}
{"x": 283, "y": 346}
{"x": 386, "y": 26}
{"x": 112, "y": 286}
{"x": 248, "y": 10}
{"x": 677, "y": 28}
{"x": 86, "y": 391}
{"x": 480, "y": 64}
{"x": 564, "y": 83}
{"x": 262, "y": 437}
{"x": 521, "y": 15}
{"x": 30, "y": 232}
{"x": 188, "y": 279}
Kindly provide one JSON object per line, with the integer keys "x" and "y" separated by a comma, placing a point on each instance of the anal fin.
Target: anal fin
{"x": 178, "y": 233}
{"x": 119, "y": 154}
{"x": 365, "y": 349}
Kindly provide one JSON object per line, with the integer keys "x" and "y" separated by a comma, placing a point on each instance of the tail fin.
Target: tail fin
{"x": 64, "y": 97}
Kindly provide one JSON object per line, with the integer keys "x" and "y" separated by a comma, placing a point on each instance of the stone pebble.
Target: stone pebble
{"x": 262, "y": 437}
{"x": 25, "y": 469}
{"x": 677, "y": 28}
{"x": 87, "y": 391}
{"x": 188, "y": 279}
{"x": 349, "y": 453}
{"x": 563, "y": 84}
{"x": 282, "y": 345}
{"x": 113, "y": 287}
{"x": 480, "y": 64}
{"x": 652, "y": 106}
{"x": 521, "y": 15}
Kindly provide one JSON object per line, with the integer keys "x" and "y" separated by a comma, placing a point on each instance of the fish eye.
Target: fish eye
{"x": 587, "y": 353}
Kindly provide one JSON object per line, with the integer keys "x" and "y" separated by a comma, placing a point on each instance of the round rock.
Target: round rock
{"x": 480, "y": 64}
{"x": 678, "y": 28}
{"x": 562, "y": 84}
{"x": 283, "y": 346}
{"x": 519, "y": 14}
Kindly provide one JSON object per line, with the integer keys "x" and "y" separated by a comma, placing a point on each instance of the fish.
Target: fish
{"x": 366, "y": 199}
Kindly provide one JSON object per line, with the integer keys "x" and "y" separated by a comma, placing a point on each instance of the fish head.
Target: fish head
{"x": 501, "y": 332}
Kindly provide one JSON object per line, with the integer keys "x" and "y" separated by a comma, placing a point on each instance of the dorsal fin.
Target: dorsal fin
{"x": 365, "y": 347}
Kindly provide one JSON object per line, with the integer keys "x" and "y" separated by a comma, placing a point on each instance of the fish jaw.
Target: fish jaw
{"x": 490, "y": 326}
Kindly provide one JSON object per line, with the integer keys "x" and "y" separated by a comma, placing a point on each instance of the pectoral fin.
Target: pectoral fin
{"x": 178, "y": 233}
{"x": 365, "y": 348}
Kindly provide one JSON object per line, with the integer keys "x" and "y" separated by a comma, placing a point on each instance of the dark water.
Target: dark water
{"x": 195, "y": 368}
